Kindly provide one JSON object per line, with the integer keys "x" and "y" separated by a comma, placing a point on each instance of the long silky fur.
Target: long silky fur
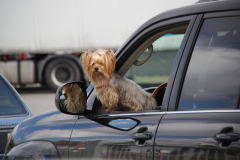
{"x": 111, "y": 88}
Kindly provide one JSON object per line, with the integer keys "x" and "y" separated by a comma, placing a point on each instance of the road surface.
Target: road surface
{"x": 39, "y": 100}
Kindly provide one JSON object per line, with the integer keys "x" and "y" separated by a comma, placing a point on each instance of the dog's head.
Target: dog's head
{"x": 99, "y": 66}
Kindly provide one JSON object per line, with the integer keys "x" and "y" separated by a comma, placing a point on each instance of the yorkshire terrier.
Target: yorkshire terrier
{"x": 111, "y": 88}
{"x": 75, "y": 99}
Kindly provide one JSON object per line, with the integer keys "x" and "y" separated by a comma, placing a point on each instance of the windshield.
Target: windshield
{"x": 10, "y": 102}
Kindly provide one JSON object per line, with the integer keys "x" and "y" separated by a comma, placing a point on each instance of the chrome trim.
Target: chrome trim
{"x": 16, "y": 115}
{"x": 137, "y": 114}
{"x": 204, "y": 111}
{"x": 172, "y": 112}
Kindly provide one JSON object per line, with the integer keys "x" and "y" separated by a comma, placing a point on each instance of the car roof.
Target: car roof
{"x": 198, "y": 8}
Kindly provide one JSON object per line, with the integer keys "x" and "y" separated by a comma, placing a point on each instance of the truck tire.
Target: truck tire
{"x": 61, "y": 71}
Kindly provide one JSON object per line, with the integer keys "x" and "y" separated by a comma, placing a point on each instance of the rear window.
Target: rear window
{"x": 10, "y": 102}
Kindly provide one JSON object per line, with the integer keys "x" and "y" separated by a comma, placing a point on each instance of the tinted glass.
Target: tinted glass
{"x": 213, "y": 76}
{"x": 157, "y": 68}
{"x": 10, "y": 103}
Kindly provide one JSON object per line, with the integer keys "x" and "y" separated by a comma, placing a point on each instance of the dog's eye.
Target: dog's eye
{"x": 101, "y": 63}
{"x": 93, "y": 64}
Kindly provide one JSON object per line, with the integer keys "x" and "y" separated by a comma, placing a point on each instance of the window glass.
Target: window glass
{"x": 213, "y": 75}
{"x": 157, "y": 68}
{"x": 10, "y": 103}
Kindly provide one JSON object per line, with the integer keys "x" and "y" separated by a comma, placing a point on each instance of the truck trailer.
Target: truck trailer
{"x": 41, "y": 40}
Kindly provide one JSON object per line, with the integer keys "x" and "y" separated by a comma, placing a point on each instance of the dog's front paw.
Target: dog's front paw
{"x": 104, "y": 107}
{"x": 109, "y": 109}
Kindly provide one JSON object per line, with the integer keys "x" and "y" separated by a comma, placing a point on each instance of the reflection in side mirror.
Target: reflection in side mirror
{"x": 71, "y": 98}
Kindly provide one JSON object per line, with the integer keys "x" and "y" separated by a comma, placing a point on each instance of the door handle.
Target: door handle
{"x": 143, "y": 136}
{"x": 227, "y": 137}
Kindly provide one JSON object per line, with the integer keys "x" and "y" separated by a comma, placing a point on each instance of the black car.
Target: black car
{"x": 194, "y": 77}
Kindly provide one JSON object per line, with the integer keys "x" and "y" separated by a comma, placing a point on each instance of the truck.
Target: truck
{"x": 41, "y": 40}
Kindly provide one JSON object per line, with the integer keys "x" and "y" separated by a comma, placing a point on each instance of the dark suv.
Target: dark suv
{"x": 194, "y": 74}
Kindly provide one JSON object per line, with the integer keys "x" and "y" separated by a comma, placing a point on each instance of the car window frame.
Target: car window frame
{"x": 133, "y": 44}
{"x": 187, "y": 53}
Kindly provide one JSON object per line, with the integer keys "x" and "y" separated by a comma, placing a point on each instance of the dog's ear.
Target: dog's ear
{"x": 86, "y": 59}
{"x": 110, "y": 61}
{"x": 87, "y": 52}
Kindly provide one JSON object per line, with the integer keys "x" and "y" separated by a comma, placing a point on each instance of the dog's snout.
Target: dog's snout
{"x": 96, "y": 69}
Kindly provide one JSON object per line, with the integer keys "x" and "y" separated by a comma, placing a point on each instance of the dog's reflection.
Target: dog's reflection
{"x": 75, "y": 99}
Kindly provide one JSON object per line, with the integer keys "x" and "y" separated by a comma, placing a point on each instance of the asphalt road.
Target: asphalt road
{"x": 39, "y": 100}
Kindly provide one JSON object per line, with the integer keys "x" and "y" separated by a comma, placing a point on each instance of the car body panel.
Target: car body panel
{"x": 92, "y": 139}
{"x": 52, "y": 126}
{"x": 27, "y": 150}
{"x": 190, "y": 134}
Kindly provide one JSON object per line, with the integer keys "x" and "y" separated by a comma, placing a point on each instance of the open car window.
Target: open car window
{"x": 156, "y": 69}
{"x": 10, "y": 103}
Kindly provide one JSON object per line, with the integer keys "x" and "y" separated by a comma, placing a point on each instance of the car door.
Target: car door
{"x": 203, "y": 117}
{"x": 122, "y": 134}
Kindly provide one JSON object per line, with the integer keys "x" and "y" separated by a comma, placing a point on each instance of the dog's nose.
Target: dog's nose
{"x": 96, "y": 69}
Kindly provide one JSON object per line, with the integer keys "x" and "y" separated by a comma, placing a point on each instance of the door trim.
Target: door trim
{"x": 204, "y": 111}
{"x": 134, "y": 114}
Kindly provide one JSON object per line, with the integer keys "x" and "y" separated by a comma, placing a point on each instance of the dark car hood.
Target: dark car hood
{"x": 52, "y": 126}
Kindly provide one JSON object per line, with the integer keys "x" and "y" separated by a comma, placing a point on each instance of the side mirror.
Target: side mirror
{"x": 71, "y": 98}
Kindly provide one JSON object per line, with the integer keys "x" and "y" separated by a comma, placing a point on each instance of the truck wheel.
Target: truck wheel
{"x": 61, "y": 71}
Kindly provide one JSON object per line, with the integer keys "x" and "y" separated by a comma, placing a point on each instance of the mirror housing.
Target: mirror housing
{"x": 71, "y": 98}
